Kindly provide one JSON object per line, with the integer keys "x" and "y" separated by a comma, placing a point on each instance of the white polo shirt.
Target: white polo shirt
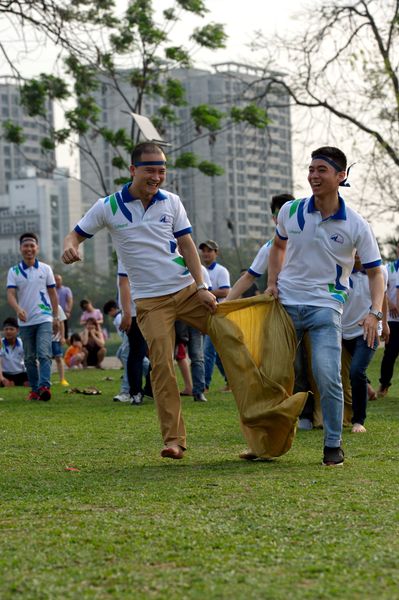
{"x": 31, "y": 284}
{"x": 392, "y": 269}
{"x": 357, "y": 307}
{"x": 12, "y": 359}
{"x": 320, "y": 253}
{"x": 260, "y": 262}
{"x": 144, "y": 240}
{"x": 220, "y": 278}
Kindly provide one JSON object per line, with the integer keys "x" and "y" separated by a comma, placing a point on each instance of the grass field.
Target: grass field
{"x": 130, "y": 525}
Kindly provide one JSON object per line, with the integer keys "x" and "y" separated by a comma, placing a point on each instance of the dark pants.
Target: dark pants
{"x": 391, "y": 353}
{"x": 361, "y": 357}
{"x": 137, "y": 351}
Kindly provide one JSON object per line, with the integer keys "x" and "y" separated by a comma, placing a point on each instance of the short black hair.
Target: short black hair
{"x": 10, "y": 322}
{"x": 278, "y": 201}
{"x": 145, "y": 148}
{"x": 83, "y": 303}
{"x": 108, "y": 306}
{"x": 28, "y": 235}
{"x": 75, "y": 337}
{"x": 334, "y": 153}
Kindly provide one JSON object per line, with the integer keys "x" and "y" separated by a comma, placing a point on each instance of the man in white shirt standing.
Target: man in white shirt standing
{"x": 220, "y": 280}
{"x": 145, "y": 223}
{"x": 309, "y": 266}
{"x": 31, "y": 293}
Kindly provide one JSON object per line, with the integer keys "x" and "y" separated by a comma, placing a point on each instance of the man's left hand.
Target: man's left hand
{"x": 370, "y": 329}
{"x": 208, "y": 300}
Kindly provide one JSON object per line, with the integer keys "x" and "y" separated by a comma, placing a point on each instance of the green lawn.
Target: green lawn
{"x": 130, "y": 525}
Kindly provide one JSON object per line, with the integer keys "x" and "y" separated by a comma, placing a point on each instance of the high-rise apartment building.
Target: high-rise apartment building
{"x": 47, "y": 207}
{"x": 15, "y": 159}
{"x": 233, "y": 208}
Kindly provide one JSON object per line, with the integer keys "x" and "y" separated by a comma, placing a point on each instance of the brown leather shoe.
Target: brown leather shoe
{"x": 175, "y": 452}
{"x": 248, "y": 455}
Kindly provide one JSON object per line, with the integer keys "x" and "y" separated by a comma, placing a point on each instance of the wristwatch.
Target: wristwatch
{"x": 202, "y": 286}
{"x": 377, "y": 313}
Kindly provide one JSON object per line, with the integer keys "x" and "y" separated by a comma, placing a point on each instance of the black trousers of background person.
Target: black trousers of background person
{"x": 391, "y": 352}
{"x": 137, "y": 352}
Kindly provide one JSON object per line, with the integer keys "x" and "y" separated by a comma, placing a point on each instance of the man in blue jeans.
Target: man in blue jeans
{"x": 309, "y": 266}
{"x": 31, "y": 293}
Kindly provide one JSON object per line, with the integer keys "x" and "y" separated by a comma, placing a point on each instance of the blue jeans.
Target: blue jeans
{"x": 123, "y": 354}
{"x": 323, "y": 326}
{"x": 196, "y": 353}
{"x": 361, "y": 357}
{"x": 211, "y": 357}
{"x": 37, "y": 346}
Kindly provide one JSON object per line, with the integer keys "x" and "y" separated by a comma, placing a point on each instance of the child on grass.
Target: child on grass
{"x": 12, "y": 366}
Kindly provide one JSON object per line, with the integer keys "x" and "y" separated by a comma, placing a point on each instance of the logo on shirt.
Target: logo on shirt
{"x": 166, "y": 219}
{"x": 337, "y": 237}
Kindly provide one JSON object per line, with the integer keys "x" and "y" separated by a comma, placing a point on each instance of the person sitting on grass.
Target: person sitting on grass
{"x": 75, "y": 355}
{"x": 94, "y": 344}
{"x": 12, "y": 366}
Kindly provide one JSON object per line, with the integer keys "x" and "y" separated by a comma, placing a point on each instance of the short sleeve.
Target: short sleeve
{"x": 92, "y": 221}
{"x": 181, "y": 224}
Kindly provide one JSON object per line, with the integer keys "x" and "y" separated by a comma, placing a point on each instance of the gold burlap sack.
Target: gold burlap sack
{"x": 256, "y": 341}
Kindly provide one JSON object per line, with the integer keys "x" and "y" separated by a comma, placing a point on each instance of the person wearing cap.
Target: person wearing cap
{"x": 220, "y": 280}
{"x": 152, "y": 237}
{"x": 31, "y": 294}
{"x": 309, "y": 266}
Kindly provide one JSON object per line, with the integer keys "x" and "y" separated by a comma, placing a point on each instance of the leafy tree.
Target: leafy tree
{"x": 137, "y": 50}
{"x": 343, "y": 67}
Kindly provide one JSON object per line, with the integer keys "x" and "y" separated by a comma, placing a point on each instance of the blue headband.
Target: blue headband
{"x": 150, "y": 163}
{"x": 334, "y": 165}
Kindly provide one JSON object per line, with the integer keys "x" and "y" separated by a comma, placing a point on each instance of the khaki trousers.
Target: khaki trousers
{"x": 156, "y": 318}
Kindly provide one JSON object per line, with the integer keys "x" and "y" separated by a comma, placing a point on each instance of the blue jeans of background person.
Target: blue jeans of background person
{"x": 211, "y": 357}
{"x": 37, "y": 346}
{"x": 323, "y": 326}
{"x": 391, "y": 353}
{"x": 196, "y": 354}
{"x": 361, "y": 357}
{"x": 123, "y": 354}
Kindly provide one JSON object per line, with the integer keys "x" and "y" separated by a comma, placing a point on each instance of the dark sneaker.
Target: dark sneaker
{"x": 199, "y": 398}
{"x": 44, "y": 393}
{"x": 333, "y": 457}
{"x": 33, "y": 396}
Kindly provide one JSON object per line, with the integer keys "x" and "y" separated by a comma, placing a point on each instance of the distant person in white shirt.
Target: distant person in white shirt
{"x": 309, "y": 266}
{"x": 31, "y": 293}
{"x": 145, "y": 223}
{"x": 259, "y": 264}
{"x": 220, "y": 280}
{"x": 12, "y": 366}
{"x": 355, "y": 310}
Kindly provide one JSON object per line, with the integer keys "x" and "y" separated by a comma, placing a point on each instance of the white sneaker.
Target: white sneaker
{"x": 137, "y": 399}
{"x": 122, "y": 397}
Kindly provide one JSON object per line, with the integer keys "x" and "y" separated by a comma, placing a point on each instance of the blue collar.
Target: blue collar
{"x": 6, "y": 344}
{"x": 212, "y": 266}
{"x": 340, "y": 214}
{"x": 25, "y": 266}
{"x": 127, "y": 197}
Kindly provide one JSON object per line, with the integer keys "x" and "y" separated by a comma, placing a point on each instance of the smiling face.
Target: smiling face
{"x": 208, "y": 255}
{"x": 29, "y": 250}
{"x": 323, "y": 178}
{"x": 147, "y": 179}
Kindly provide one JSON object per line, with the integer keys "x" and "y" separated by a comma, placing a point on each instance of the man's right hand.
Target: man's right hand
{"x": 21, "y": 314}
{"x": 70, "y": 255}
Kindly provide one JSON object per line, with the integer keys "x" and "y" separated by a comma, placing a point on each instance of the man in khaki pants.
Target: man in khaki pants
{"x": 152, "y": 237}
